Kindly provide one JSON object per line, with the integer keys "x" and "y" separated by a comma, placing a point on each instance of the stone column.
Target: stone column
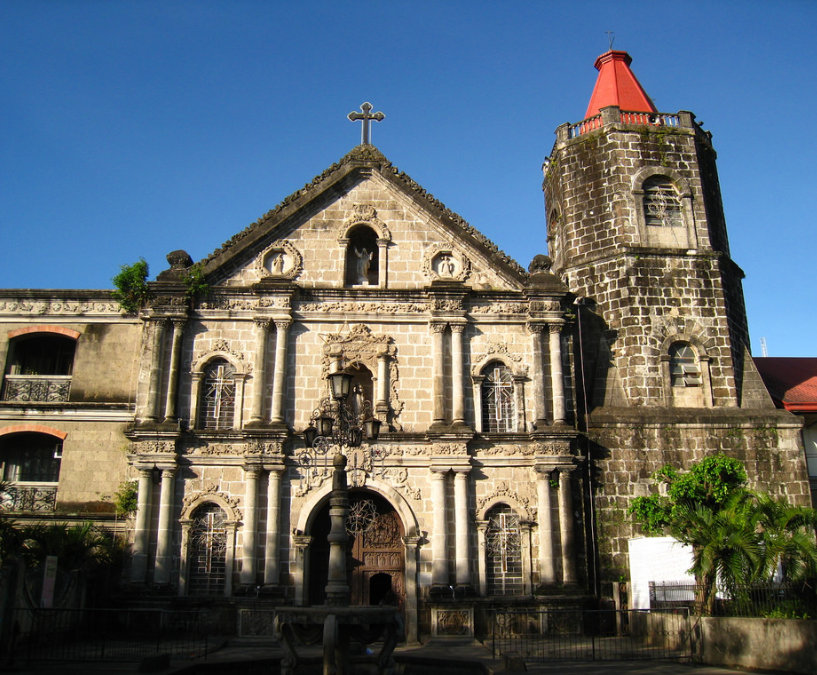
{"x": 538, "y": 376}
{"x": 461, "y": 515}
{"x": 279, "y": 383}
{"x": 566, "y": 525}
{"x": 300, "y": 570}
{"x": 457, "y": 371}
{"x": 259, "y": 374}
{"x": 439, "y": 537}
{"x": 173, "y": 377}
{"x": 438, "y": 380}
{"x": 155, "y": 381}
{"x": 247, "y": 575}
{"x": 195, "y": 390}
{"x": 547, "y": 568}
{"x": 477, "y": 381}
{"x": 161, "y": 573}
{"x": 141, "y": 530}
{"x": 557, "y": 380}
{"x": 271, "y": 573}
{"x": 229, "y": 557}
{"x": 382, "y": 403}
{"x": 482, "y": 544}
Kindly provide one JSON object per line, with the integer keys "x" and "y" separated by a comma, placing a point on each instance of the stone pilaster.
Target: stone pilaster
{"x": 271, "y": 572}
{"x": 279, "y": 383}
{"x": 155, "y": 380}
{"x": 438, "y": 381}
{"x": 538, "y": 375}
{"x": 439, "y": 534}
{"x": 141, "y": 530}
{"x": 557, "y": 380}
{"x": 457, "y": 374}
{"x": 259, "y": 374}
{"x": 247, "y": 575}
{"x": 161, "y": 572}
{"x": 173, "y": 377}
{"x": 463, "y": 563}
{"x": 547, "y": 566}
{"x": 569, "y": 575}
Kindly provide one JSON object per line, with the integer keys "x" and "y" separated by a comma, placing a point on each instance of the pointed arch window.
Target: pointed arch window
{"x": 662, "y": 204}
{"x": 217, "y": 410}
{"x": 503, "y": 541}
{"x": 498, "y": 410}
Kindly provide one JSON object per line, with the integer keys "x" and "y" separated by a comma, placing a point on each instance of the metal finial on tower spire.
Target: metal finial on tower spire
{"x": 611, "y": 36}
{"x": 366, "y": 118}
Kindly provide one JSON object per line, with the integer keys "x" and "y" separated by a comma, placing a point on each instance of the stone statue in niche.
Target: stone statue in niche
{"x": 277, "y": 264}
{"x": 446, "y": 267}
{"x": 364, "y": 259}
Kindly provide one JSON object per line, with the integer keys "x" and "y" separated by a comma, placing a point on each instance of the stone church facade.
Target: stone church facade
{"x": 521, "y": 410}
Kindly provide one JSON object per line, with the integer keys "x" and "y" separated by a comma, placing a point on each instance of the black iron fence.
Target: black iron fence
{"x": 592, "y": 635}
{"x": 771, "y": 600}
{"x": 103, "y": 634}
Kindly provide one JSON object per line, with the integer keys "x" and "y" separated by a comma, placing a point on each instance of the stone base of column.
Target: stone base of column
{"x": 462, "y": 591}
{"x": 442, "y": 593}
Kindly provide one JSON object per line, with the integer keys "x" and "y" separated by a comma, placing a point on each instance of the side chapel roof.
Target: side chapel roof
{"x": 792, "y": 382}
{"x": 360, "y": 158}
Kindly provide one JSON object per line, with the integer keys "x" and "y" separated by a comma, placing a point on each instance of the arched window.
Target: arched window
{"x": 208, "y": 551}
{"x": 39, "y": 368}
{"x": 498, "y": 410}
{"x": 662, "y": 205}
{"x": 683, "y": 366}
{"x": 503, "y": 541}
{"x": 362, "y": 257}
{"x": 217, "y": 407}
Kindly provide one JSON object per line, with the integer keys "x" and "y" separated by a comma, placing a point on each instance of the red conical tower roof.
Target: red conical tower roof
{"x": 616, "y": 85}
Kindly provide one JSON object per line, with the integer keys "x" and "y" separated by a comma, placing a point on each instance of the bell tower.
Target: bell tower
{"x": 636, "y": 229}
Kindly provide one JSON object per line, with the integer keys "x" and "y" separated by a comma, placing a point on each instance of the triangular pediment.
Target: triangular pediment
{"x": 309, "y": 236}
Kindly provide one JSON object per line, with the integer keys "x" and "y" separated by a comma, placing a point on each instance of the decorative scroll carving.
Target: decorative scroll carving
{"x": 280, "y": 260}
{"x": 398, "y": 477}
{"x": 54, "y": 306}
{"x": 211, "y": 492}
{"x": 545, "y": 306}
{"x": 365, "y": 307}
{"x": 525, "y": 450}
{"x": 222, "y": 348}
{"x": 504, "y": 493}
{"x": 35, "y": 499}
{"x": 498, "y": 308}
{"x": 446, "y": 304}
{"x": 449, "y": 449}
{"x": 366, "y": 214}
{"x": 498, "y": 350}
{"x": 453, "y": 622}
{"x": 554, "y": 448}
{"x": 154, "y": 447}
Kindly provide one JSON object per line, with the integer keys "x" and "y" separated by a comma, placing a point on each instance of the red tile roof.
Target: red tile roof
{"x": 617, "y": 85}
{"x": 792, "y": 382}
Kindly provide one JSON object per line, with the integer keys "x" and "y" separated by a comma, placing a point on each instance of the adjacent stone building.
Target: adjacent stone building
{"x": 521, "y": 410}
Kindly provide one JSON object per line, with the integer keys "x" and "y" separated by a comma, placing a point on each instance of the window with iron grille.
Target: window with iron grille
{"x": 503, "y": 540}
{"x": 683, "y": 366}
{"x": 218, "y": 401}
{"x": 31, "y": 457}
{"x": 208, "y": 551}
{"x": 662, "y": 206}
{"x": 498, "y": 414}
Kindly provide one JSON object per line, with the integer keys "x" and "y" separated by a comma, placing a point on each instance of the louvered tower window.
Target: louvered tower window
{"x": 683, "y": 366}
{"x": 662, "y": 206}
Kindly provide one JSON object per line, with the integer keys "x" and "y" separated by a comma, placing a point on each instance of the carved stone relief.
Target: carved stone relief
{"x": 280, "y": 260}
{"x": 444, "y": 262}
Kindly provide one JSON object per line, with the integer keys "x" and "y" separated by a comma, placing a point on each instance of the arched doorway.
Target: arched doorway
{"x": 375, "y": 560}
{"x": 208, "y": 548}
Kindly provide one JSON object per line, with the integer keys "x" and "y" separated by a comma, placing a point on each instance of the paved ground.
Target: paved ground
{"x": 255, "y": 659}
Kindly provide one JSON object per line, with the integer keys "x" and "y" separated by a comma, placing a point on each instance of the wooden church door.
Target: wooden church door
{"x": 375, "y": 561}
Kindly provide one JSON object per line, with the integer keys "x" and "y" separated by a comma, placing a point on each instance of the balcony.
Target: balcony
{"x": 37, "y": 388}
{"x": 29, "y": 498}
{"x": 614, "y": 115}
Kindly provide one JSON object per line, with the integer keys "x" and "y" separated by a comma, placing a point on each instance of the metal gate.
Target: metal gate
{"x": 592, "y": 635}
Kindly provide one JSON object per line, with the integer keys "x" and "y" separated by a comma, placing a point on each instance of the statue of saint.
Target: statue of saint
{"x": 446, "y": 266}
{"x": 278, "y": 264}
{"x": 364, "y": 259}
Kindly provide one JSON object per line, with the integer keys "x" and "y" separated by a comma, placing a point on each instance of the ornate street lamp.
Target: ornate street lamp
{"x": 337, "y": 427}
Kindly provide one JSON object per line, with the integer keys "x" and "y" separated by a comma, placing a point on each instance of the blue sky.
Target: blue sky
{"x": 131, "y": 129}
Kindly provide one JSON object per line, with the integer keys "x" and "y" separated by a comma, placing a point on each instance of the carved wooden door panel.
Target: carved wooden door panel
{"x": 377, "y": 558}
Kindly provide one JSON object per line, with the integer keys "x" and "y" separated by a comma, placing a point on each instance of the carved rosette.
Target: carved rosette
{"x": 443, "y": 262}
{"x": 280, "y": 260}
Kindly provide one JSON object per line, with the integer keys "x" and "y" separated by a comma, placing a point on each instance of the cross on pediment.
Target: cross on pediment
{"x": 366, "y": 117}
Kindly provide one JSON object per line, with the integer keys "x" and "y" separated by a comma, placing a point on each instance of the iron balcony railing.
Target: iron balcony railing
{"x": 28, "y": 498}
{"x": 37, "y": 388}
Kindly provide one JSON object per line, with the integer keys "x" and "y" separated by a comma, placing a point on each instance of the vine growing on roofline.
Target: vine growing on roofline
{"x": 195, "y": 282}
{"x": 132, "y": 290}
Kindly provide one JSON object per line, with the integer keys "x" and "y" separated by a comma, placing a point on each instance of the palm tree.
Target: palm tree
{"x": 788, "y": 535}
{"x": 726, "y": 546}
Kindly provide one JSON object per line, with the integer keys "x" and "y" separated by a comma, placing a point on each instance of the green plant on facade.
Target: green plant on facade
{"x": 132, "y": 291}
{"x": 195, "y": 282}
{"x": 125, "y": 499}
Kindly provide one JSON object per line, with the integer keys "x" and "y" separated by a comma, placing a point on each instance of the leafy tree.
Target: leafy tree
{"x": 737, "y": 535}
{"x": 132, "y": 290}
{"x": 78, "y": 547}
{"x": 195, "y": 281}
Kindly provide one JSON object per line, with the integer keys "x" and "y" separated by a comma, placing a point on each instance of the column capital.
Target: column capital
{"x": 283, "y": 324}
{"x": 179, "y": 322}
{"x": 535, "y": 328}
{"x": 461, "y": 471}
{"x": 438, "y": 472}
{"x": 438, "y": 326}
{"x": 457, "y": 327}
{"x": 262, "y": 322}
{"x": 252, "y": 471}
{"x": 555, "y": 326}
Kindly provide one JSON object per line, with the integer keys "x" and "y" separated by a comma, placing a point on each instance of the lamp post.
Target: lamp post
{"x": 337, "y": 427}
